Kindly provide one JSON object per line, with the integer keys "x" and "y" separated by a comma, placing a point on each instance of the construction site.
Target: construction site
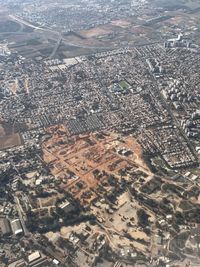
{"x": 86, "y": 164}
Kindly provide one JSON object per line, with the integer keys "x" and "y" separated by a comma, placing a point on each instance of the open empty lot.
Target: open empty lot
{"x": 84, "y": 163}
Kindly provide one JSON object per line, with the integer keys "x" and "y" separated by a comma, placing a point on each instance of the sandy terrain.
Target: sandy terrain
{"x": 10, "y": 141}
{"x": 95, "y": 32}
{"x": 73, "y": 160}
{"x": 2, "y": 132}
{"x": 121, "y": 23}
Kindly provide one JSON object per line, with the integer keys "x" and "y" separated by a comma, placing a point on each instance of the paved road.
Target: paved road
{"x": 56, "y": 47}
{"x": 71, "y": 43}
{"x": 29, "y": 24}
{"x": 20, "y": 211}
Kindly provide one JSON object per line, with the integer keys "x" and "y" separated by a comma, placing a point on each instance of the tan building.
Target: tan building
{"x": 16, "y": 227}
{"x": 4, "y": 227}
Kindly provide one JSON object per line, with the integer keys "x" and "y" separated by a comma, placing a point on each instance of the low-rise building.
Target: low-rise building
{"x": 16, "y": 227}
{"x": 4, "y": 227}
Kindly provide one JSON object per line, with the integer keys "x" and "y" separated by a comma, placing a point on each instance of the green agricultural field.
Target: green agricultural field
{"x": 9, "y": 26}
{"x": 124, "y": 85}
{"x": 35, "y": 41}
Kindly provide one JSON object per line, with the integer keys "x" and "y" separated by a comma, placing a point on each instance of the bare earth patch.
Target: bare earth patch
{"x": 121, "y": 23}
{"x": 10, "y": 141}
{"x": 95, "y": 32}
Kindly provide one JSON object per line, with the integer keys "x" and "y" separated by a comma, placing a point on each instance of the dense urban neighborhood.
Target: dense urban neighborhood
{"x": 99, "y": 133}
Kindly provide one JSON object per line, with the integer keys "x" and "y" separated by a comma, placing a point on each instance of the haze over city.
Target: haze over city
{"x": 99, "y": 133}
